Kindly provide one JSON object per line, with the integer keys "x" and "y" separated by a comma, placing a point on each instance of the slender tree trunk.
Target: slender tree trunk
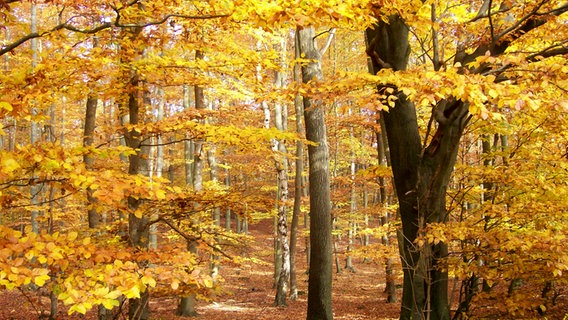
{"x": 88, "y": 139}
{"x": 228, "y": 209}
{"x": 353, "y": 205}
{"x": 188, "y": 147}
{"x": 153, "y": 241}
{"x": 281, "y": 163}
{"x": 320, "y": 274}
{"x": 214, "y": 176}
{"x": 137, "y": 227}
{"x": 383, "y": 159}
{"x": 138, "y": 309}
{"x": 186, "y": 307}
{"x": 35, "y": 131}
{"x": 298, "y": 185}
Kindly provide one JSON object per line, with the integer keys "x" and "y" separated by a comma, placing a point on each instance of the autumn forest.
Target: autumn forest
{"x": 154, "y": 151}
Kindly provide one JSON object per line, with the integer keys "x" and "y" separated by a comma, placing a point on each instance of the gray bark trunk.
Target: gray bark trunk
{"x": 35, "y": 131}
{"x": 298, "y": 185}
{"x": 186, "y": 307}
{"x": 320, "y": 274}
{"x": 281, "y": 164}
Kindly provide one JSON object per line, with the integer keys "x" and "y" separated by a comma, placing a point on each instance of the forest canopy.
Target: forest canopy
{"x": 141, "y": 141}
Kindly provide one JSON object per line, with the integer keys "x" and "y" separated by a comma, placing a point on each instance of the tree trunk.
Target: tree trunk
{"x": 186, "y": 307}
{"x": 320, "y": 274}
{"x": 138, "y": 232}
{"x": 35, "y": 189}
{"x": 298, "y": 185}
{"x": 281, "y": 163}
{"x": 188, "y": 147}
{"x": 214, "y": 176}
{"x": 353, "y": 205}
{"x": 228, "y": 209}
{"x": 88, "y": 138}
{"x": 383, "y": 157}
{"x": 420, "y": 175}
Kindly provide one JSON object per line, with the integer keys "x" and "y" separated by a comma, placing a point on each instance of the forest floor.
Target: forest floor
{"x": 249, "y": 294}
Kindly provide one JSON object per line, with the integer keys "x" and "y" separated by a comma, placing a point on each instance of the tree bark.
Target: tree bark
{"x": 138, "y": 232}
{"x": 186, "y": 307}
{"x": 421, "y": 176}
{"x": 281, "y": 164}
{"x": 383, "y": 157}
{"x": 35, "y": 189}
{"x": 320, "y": 274}
{"x": 298, "y": 185}
{"x": 89, "y": 130}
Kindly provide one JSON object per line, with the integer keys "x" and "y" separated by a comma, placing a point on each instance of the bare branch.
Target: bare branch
{"x": 522, "y": 21}
{"x": 328, "y": 41}
{"x": 191, "y": 238}
{"x": 67, "y": 26}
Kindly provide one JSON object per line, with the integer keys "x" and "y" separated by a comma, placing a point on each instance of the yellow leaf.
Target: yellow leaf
{"x": 139, "y": 213}
{"x": 42, "y": 259}
{"x": 6, "y": 106}
{"x": 160, "y": 194}
{"x": 40, "y": 280}
{"x": 102, "y": 291}
{"x": 10, "y": 165}
{"x": 149, "y": 281}
{"x": 110, "y": 303}
{"x": 72, "y": 236}
{"x": 175, "y": 284}
{"x": 133, "y": 292}
{"x": 113, "y": 295}
{"x": 80, "y": 308}
{"x": 208, "y": 282}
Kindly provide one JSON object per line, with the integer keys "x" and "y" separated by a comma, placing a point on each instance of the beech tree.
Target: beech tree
{"x": 319, "y": 285}
{"x": 422, "y": 167}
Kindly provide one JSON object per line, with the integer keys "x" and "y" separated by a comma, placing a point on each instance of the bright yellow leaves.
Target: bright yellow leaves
{"x": 279, "y": 13}
{"x": 67, "y": 264}
{"x": 426, "y": 88}
{"x": 9, "y": 164}
{"x": 4, "y": 107}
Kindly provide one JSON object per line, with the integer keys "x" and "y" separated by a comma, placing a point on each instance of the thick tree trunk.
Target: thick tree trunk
{"x": 320, "y": 274}
{"x": 420, "y": 175}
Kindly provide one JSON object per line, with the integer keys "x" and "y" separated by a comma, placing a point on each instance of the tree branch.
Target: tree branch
{"x": 527, "y": 23}
{"x": 67, "y": 26}
{"x": 191, "y": 238}
{"x": 328, "y": 41}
